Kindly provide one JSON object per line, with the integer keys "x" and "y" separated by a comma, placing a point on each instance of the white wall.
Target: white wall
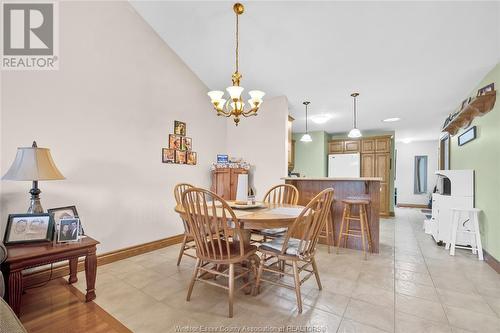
{"x": 405, "y": 160}
{"x": 262, "y": 142}
{"x": 105, "y": 115}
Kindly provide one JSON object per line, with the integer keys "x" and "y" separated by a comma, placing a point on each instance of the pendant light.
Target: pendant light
{"x": 306, "y": 137}
{"x": 355, "y": 132}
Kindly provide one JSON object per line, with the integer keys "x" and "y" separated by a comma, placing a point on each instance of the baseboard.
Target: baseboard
{"x": 43, "y": 276}
{"x": 405, "y": 205}
{"x": 490, "y": 260}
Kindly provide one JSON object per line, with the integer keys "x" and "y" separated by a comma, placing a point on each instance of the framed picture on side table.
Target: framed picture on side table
{"x": 68, "y": 230}
{"x": 66, "y": 213}
{"x": 29, "y": 228}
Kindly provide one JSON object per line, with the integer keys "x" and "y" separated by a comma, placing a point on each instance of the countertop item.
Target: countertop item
{"x": 361, "y": 179}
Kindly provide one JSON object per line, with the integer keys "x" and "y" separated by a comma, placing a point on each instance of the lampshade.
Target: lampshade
{"x": 354, "y": 133}
{"x": 235, "y": 92}
{"x": 33, "y": 163}
{"x": 256, "y": 94}
{"x": 215, "y": 95}
{"x": 306, "y": 138}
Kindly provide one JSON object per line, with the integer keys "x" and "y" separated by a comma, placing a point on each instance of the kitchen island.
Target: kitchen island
{"x": 365, "y": 187}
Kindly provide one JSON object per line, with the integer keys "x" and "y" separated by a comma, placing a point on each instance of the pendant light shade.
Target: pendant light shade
{"x": 306, "y": 137}
{"x": 355, "y": 132}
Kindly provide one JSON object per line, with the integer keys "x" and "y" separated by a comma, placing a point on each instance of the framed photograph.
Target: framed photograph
{"x": 187, "y": 143}
{"x": 465, "y": 103}
{"x": 179, "y": 128}
{"x": 174, "y": 141}
{"x": 467, "y": 136}
{"x": 67, "y": 212}
{"x": 180, "y": 157}
{"x": 191, "y": 158}
{"x": 168, "y": 155}
{"x": 29, "y": 228}
{"x": 67, "y": 230}
{"x": 484, "y": 90}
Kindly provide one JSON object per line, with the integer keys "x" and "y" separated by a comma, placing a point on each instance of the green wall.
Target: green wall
{"x": 311, "y": 158}
{"x": 392, "y": 175}
{"x": 483, "y": 155}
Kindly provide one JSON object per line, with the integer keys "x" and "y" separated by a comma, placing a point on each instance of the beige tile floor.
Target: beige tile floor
{"x": 411, "y": 286}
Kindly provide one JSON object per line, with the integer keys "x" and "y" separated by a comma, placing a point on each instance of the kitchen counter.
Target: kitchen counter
{"x": 366, "y": 187}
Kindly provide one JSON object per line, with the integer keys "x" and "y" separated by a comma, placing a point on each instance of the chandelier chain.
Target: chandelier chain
{"x": 237, "y": 42}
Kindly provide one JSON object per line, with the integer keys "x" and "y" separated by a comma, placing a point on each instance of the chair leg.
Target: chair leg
{"x": 259, "y": 275}
{"x": 297, "y": 285}
{"x": 193, "y": 279}
{"x": 341, "y": 228}
{"x": 327, "y": 229}
{"x": 362, "y": 226}
{"x": 368, "y": 232}
{"x": 316, "y": 273}
{"x": 348, "y": 225}
{"x": 231, "y": 289}
{"x": 183, "y": 248}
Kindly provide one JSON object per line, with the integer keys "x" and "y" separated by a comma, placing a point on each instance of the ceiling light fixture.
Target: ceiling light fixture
{"x": 321, "y": 118}
{"x": 391, "y": 120}
{"x": 306, "y": 137}
{"x": 235, "y": 105}
{"x": 355, "y": 132}
{"x": 407, "y": 140}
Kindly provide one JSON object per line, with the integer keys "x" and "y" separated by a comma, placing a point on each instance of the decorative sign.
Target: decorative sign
{"x": 179, "y": 149}
{"x": 467, "y": 136}
{"x": 222, "y": 159}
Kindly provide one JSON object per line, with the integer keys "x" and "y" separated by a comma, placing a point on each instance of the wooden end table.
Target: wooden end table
{"x": 23, "y": 256}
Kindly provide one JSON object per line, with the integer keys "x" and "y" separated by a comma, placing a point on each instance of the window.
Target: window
{"x": 420, "y": 177}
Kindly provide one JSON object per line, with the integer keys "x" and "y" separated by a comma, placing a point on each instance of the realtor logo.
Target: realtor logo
{"x": 29, "y": 36}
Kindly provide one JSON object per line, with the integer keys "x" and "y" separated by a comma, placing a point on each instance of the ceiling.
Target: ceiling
{"x": 413, "y": 60}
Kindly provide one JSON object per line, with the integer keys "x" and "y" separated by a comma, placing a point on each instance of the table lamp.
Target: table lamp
{"x": 33, "y": 164}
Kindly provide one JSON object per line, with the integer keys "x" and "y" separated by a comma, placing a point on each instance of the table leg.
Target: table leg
{"x": 73, "y": 269}
{"x": 15, "y": 290}
{"x": 90, "y": 274}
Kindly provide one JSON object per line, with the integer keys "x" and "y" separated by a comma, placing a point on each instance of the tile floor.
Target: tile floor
{"x": 411, "y": 286}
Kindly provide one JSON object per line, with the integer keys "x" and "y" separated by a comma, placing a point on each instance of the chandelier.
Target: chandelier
{"x": 235, "y": 106}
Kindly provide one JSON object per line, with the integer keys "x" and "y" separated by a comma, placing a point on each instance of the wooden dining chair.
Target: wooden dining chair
{"x": 297, "y": 247}
{"x": 278, "y": 194}
{"x": 188, "y": 240}
{"x": 216, "y": 232}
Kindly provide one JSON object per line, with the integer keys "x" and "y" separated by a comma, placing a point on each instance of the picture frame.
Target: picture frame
{"x": 65, "y": 213}
{"x": 29, "y": 228}
{"x": 467, "y": 136}
{"x": 485, "y": 89}
{"x": 67, "y": 230}
{"x": 168, "y": 155}
{"x": 187, "y": 144}
{"x": 191, "y": 158}
{"x": 180, "y": 157}
{"x": 179, "y": 128}
{"x": 174, "y": 141}
{"x": 222, "y": 158}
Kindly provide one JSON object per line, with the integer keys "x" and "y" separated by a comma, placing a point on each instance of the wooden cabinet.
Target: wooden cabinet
{"x": 382, "y": 161}
{"x": 336, "y": 147}
{"x": 368, "y": 146}
{"x": 383, "y": 145}
{"x": 290, "y": 145}
{"x": 384, "y": 199}
{"x": 367, "y": 165}
{"x": 351, "y": 146}
{"x": 225, "y": 182}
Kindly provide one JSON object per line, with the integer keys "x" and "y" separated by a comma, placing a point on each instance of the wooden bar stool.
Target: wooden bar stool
{"x": 364, "y": 229}
{"x": 471, "y": 215}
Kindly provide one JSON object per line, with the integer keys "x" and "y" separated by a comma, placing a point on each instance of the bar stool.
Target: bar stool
{"x": 472, "y": 215}
{"x": 364, "y": 230}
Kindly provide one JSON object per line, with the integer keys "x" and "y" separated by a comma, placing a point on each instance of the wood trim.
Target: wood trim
{"x": 492, "y": 261}
{"x": 407, "y": 205}
{"x": 44, "y": 275}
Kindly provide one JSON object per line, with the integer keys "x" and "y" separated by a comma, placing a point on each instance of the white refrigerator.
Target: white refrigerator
{"x": 344, "y": 165}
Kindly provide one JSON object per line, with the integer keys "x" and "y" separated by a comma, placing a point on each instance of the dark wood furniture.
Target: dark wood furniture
{"x": 23, "y": 256}
{"x": 365, "y": 187}
{"x": 375, "y": 154}
{"x": 225, "y": 182}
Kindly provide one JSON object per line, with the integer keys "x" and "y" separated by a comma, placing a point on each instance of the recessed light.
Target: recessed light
{"x": 321, "y": 118}
{"x": 391, "y": 120}
{"x": 407, "y": 140}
